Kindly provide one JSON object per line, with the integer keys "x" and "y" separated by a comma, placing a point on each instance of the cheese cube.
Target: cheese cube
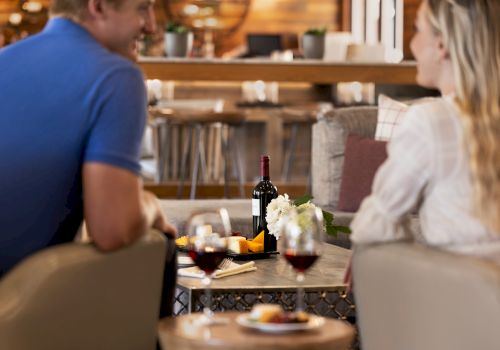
{"x": 237, "y": 244}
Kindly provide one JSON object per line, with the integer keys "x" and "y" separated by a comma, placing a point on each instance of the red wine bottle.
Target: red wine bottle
{"x": 262, "y": 194}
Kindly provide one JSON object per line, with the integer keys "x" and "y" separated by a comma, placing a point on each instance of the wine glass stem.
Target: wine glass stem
{"x": 207, "y": 310}
{"x": 300, "y": 291}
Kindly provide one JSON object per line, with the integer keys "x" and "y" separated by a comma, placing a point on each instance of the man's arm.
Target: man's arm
{"x": 116, "y": 209}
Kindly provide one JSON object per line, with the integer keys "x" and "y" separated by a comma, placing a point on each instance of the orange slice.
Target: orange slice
{"x": 259, "y": 238}
{"x": 255, "y": 247}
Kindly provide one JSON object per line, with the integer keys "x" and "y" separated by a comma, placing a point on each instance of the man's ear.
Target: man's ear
{"x": 97, "y": 8}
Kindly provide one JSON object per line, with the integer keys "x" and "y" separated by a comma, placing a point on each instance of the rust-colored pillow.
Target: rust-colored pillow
{"x": 363, "y": 156}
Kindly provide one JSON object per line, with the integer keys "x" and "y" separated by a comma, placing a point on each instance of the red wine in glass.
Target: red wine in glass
{"x": 301, "y": 261}
{"x": 208, "y": 261}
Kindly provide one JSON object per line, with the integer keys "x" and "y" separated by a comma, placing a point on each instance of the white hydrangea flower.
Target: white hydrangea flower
{"x": 277, "y": 210}
{"x": 306, "y": 205}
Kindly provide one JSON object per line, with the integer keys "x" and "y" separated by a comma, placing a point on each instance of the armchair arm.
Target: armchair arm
{"x": 72, "y": 296}
{"x": 410, "y": 296}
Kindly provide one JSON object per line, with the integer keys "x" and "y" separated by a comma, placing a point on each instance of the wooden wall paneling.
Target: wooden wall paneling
{"x": 410, "y": 13}
{"x": 344, "y": 16}
{"x": 275, "y": 16}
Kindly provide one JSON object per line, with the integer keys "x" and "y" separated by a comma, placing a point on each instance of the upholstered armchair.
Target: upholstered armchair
{"x": 414, "y": 297}
{"x": 329, "y": 136}
{"x": 73, "y": 296}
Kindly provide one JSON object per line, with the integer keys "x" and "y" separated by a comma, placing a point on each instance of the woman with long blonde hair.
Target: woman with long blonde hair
{"x": 444, "y": 160}
{"x": 472, "y": 34}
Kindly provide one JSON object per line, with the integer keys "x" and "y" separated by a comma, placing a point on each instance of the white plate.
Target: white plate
{"x": 313, "y": 323}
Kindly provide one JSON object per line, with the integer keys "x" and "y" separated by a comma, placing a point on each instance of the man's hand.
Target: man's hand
{"x": 117, "y": 210}
{"x": 156, "y": 216}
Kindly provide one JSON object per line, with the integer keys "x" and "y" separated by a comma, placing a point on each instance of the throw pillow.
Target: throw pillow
{"x": 363, "y": 156}
{"x": 390, "y": 114}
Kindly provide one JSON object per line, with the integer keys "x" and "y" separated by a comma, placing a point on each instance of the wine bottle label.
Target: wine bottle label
{"x": 255, "y": 207}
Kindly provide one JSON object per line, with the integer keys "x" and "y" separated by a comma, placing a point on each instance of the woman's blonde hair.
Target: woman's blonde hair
{"x": 470, "y": 30}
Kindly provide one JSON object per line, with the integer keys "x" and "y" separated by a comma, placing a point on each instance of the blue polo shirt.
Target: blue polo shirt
{"x": 64, "y": 100}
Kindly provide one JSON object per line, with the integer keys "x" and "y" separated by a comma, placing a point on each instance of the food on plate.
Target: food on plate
{"x": 240, "y": 245}
{"x": 272, "y": 313}
{"x": 204, "y": 230}
{"x": 259, "y": 238}
{"x": 237, "y": 244}
{"x": 264, "y": 312}
{"x": 182, "y": 241}
{"x": 255, "y": 246}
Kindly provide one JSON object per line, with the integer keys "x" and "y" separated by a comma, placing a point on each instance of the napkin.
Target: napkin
{"x": 184, "y": 261}
{"x": 233, "y": 269}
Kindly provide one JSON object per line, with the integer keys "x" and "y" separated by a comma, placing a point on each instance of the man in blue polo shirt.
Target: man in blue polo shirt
{"x": 72, "y": 114}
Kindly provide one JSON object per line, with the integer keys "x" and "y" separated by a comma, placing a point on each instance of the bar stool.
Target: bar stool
{"x": 166, "y": 138}
{"x": 205, "y": 140}
{"x": 295, "y": 117}
{"x": 216, "y": 130}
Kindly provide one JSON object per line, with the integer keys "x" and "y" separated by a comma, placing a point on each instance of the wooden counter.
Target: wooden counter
{"x": 312, "y": 71}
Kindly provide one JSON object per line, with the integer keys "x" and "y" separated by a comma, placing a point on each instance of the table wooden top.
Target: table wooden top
{"x": 181, "y": 333}
{"x": 276, "y": 273}
{"x": 312, "y": 71}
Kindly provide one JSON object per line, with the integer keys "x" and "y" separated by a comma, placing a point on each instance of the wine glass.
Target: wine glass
{"x": 207, "y": 246}
{"x": 302, "y": 237}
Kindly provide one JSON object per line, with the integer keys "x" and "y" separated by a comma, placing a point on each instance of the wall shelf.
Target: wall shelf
{"x": 312, "y": 71}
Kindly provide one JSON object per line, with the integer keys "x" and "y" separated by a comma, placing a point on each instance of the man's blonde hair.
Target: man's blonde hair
{"x": 471, "y": 33}
{"x": 75, "y": 8}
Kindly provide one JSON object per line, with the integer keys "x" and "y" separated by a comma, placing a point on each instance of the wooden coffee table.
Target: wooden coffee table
{"x": 180, "y": 333}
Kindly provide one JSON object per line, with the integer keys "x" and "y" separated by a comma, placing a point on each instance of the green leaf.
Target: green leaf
{"x": 344, "y": 229}
{"x": 316, "y": 31}
{"x": 302, "y": 199}
{"x": 330, "y": 227}
{"x": 174, "y": 27}
{"x": 328, "y": 218}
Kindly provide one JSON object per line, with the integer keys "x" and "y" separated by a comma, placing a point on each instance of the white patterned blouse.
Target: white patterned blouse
{"x": 426, "y": 170}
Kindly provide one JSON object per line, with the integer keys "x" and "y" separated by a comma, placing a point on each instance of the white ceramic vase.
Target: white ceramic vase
{"x": 178, "y": 44}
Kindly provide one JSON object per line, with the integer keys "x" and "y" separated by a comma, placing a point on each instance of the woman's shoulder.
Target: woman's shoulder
{"x": 435, "y": 120}
{"x": 429, "y": 104}
{"x": 432, "y": 111}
